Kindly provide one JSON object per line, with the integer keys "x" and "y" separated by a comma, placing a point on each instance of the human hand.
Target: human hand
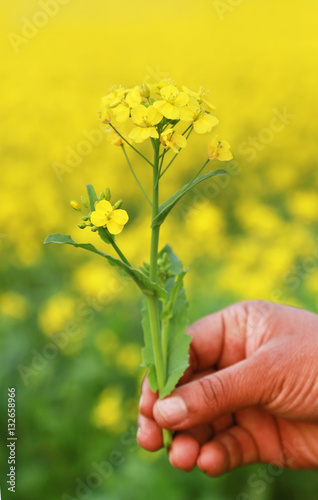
{"x": 250, "y": 393}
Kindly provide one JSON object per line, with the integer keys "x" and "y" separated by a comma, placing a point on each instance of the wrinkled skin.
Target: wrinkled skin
{"x": 250, "y": 393}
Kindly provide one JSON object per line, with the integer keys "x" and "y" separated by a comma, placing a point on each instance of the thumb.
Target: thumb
{"x": 223, "y": 392}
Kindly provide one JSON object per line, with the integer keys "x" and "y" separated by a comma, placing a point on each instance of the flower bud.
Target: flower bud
{"x": 82, "y": 225}
{"x": 145, "y": 90}
{"x": 84, "y": 201}
{"x": 118, "y": 204}
{"x": 94, "y": 229}
{"x": 85, "y": 217}
{"x": 102, "y": 196}
{"x": 107, "y": 194}
{"x": 75, "y": 205}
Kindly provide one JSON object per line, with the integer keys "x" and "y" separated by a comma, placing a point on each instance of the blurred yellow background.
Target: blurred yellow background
{"x": 253, "y": 235}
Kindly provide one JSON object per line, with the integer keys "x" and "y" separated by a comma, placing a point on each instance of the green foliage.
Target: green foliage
{"x": 174, "y": 317}
{"x": 168, "y": 205}
{"x": 142, "y": 281}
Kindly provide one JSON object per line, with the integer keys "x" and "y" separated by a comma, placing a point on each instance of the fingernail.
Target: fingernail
{"x": 172, "y": 409}
{"x": 141, "y": 401}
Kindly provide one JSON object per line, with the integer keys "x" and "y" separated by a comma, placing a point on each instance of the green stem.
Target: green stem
{"x": 199, "y": 172}
{"x": 152, "y": 301}
{"x": 190, "y": 128}
{"x": 135, "y": 176}
{"x": 120, "y": 253}
{"x": 130, "y": 145}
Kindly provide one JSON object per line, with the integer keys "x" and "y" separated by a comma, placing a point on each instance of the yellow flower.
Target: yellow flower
{"x": 171, "y": 102}
{"x": 201, "y": 120}
{"x": 120, "y": 101}
{"x": 145, "y": 120}
{"x": 219, "y": 150}
{"x": 199, "y": 96}
{"x": 114, "y": 138}
{"x": 106, "y": 215}
{"x": 169, "y": 139}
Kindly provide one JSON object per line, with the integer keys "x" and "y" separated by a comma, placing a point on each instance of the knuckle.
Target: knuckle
{"x": 213, "y": 392}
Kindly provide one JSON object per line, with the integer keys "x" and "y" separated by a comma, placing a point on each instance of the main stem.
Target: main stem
{"x": 153, "y": 299}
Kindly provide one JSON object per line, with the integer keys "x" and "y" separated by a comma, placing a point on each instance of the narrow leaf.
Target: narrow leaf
{"x": 143, "y": 282}
{"x": 92, "y": 196}
{"x": 168, "y": 205}
{"x": 178, "y": 344}
{"x": 174, "y": 318}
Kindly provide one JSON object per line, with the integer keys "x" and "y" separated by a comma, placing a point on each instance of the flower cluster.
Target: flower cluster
{"x": 156, "y": 111}
{"x": 110, "y": 217}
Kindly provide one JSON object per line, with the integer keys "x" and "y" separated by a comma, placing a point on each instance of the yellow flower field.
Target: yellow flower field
{"x": 254, "y": 232}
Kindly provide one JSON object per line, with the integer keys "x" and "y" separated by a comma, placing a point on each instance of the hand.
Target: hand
{"x": 250, "y": 393}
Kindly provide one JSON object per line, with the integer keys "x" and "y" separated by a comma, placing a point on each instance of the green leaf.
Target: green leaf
{"x": 175, "y": 262}
{"x": 168, "y": 205}
{"x": 178, "y": 341}
{"x": 142, "y": 281}
{"x": 174, "y": 317}
{"x": 147, "y": 351}
{"x": 92, "y": 196}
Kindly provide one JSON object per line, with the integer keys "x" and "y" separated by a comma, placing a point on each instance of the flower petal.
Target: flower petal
{"x": 180, "y": 140}
{"x": 113, "y": 227}
{"x": 137, "y": 113}
{"x": 103, "y": 206}
{"x": 205, "y": 124}
{"x": 98, "y": 220}
{"x": 120, "y": 217}
{"x": 225, "y": 155}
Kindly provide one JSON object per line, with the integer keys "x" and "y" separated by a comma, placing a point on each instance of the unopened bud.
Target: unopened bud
{"x": 107, "y": 194}
{"x": 82, "y": 225}
{"x": 118, "y": 204}
{"x": 84, "y": 201}
{"x": 75, "y": 205}
{"x": 94, "y": 229}
{"x": 102, "y": 196}
{"x": 85, "y": 217}
{"x": 145, "y": 90}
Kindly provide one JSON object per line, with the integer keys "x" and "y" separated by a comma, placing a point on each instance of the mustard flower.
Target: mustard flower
{"x": 120, "y": 101}
{"x": 171, "y": 102}
{"x": 145, "y": 120}
{"x": 171, "y": 140}
{"x": 105, "y": 215}
{"x": 219, "y": 150}
{"x": 200, "y": 97}
{"x": 114, "y": 138}
{"x": 202, "y": 121}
